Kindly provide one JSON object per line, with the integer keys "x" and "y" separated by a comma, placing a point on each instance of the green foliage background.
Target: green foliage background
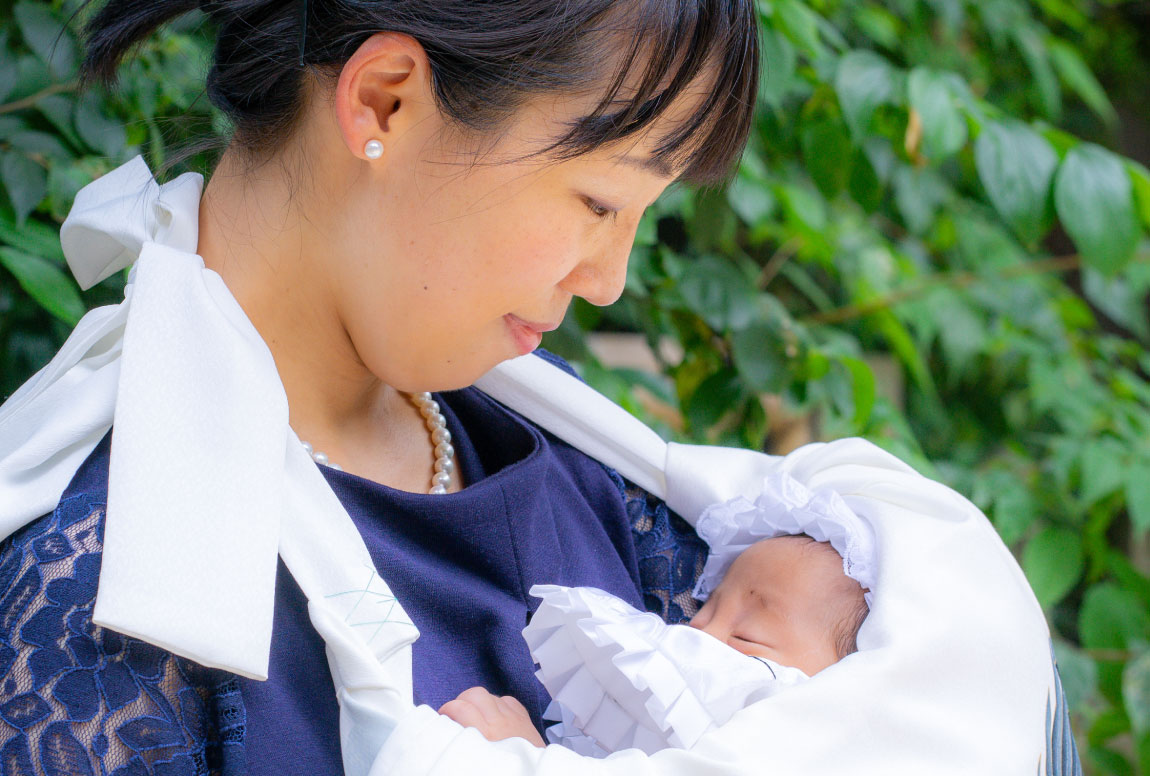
{"x": 928, "y": 179}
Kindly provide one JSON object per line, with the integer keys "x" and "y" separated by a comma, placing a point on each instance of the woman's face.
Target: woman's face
{"x": 452, "y": 258}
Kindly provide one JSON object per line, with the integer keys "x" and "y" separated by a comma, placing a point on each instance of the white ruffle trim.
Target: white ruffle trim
{"x": 625, "y": 679}
{"x": 785, "y": 507}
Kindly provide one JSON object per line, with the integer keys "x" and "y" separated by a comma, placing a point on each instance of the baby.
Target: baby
{"x": 787, "y": 599}
{"x": 791, "y": 600}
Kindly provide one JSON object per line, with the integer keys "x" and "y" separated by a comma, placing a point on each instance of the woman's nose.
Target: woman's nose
{"x": 600, "y": 279}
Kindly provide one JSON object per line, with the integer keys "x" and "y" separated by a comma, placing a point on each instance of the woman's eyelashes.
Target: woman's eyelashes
{"x": 599, "y": 210}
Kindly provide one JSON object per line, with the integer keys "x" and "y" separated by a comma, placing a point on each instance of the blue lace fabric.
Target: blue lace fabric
{"x": 76, "y": 699}
{"x": 671, "y": 555}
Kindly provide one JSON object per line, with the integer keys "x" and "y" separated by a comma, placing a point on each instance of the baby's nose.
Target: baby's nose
{"x": 708, "y": 625}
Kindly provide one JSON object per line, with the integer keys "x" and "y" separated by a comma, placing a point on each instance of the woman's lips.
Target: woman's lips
{"x": 527, "y": 334}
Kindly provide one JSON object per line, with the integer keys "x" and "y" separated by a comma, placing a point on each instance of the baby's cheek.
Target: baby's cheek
{"x": 822, "y": 655}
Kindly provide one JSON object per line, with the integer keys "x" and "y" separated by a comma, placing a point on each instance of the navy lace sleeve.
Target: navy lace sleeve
{"x": 671, "y": 555}
{"x": 76, "y": 699}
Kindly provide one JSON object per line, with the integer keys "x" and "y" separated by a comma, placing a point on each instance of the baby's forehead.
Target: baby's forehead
{"x": 786, "y": 556}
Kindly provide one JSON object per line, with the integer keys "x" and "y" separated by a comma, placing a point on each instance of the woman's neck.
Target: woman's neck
{"x": 272, "y": 259}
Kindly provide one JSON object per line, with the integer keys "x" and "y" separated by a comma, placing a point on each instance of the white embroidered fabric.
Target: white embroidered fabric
{"x": 786, "y": 507}
{"x": 627, "y": 680}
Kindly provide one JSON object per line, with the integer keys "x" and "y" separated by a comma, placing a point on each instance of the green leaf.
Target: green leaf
{"x": 800, "y": 24}
{"x": 46, "y": 36}
{"x": 902, "y": 344}
{"x": 1079, "y": 675}
{"x": 1123, "y": 301}
{"x": 32, "y": 77}
{"x": 1136, "y": 691}
{"x": 25, "y": 181}
{"x": 1138, "y": 495}
{"x": 864, "y": 184}
{"x": 827, "y": 153}
{"x": 64, "y": 182}
{"x": 918, "y": 193}
{"x": 715, "y": 397}
{"x": 718, "y": 293}
{"x": 961, "y": 330}
{"x": 59, "y": 110}
{"x": 97, "y": 130}
{"x": 943, "y": 127}
{"x": 751, "y": 199}
{"x": 1053, "y": 562}
{"x": 879, "y": 24}
{"x": 1075, "y": 73}
{"x": 51, "y": 288}
{"x": 1140, "y": 178}
{"x": 758, "y": 355}
{"x": 1014, "y": 510}
{"x": 33, "y": 237}
{"x": 1016, "y": 166}
{"x": 863, "y": 81}
{"x": 8, "y": 71}
{"x": 1103, "y": 463}
{"x": 862, "y": 388}
{"x": 778, "y": 71}
{"x": 805, "y": 206}
{"x": 33, "y": 142}
{"x": 1031, "y": 47}
{"x": 1112, "y": 618}
{"x": 1095, "y": 200}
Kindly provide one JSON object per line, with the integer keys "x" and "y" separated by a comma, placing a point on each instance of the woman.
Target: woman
{"x": 414, "y": 192}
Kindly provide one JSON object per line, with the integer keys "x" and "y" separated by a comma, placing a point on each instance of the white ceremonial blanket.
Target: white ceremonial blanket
{"x": 201, "y": 417}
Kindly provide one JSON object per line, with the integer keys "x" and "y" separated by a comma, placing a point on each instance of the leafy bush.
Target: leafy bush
{"x": 918, "y": 185}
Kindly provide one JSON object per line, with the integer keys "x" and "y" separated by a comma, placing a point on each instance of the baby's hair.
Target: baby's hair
{"x": 846, "y": 639}
{"x": 847, "y": 628}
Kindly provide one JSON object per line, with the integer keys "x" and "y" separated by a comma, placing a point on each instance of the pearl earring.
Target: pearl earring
{"x": 373, "y": 149}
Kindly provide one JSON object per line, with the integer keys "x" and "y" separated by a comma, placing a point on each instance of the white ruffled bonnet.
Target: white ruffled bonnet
{"x": 785, "y": 507}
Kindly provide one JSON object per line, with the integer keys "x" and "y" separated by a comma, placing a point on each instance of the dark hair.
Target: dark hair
{"x": 847, "y": 633}
{"x": 487, "y": 57}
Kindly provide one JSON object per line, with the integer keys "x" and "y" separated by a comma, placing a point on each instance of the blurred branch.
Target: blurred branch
{"x": 1115, "y": 655}
{"x": 776, "y": 262}
{"x": 32, "y": 99}
{"x": 951, "y": 280}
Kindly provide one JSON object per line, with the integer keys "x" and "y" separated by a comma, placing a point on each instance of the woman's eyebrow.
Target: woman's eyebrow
{"x": 649, "y": 164}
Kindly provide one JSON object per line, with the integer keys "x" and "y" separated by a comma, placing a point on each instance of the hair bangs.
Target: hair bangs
{"x": 674, "y": 48}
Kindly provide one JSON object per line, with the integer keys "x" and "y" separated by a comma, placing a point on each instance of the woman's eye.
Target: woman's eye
{"x": 599, "y": 210}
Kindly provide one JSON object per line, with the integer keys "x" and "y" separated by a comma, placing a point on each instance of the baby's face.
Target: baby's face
{"x": 783, "y": 599}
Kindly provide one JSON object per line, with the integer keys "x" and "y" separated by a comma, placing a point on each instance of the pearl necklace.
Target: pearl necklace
{"x": 440, "y": 438}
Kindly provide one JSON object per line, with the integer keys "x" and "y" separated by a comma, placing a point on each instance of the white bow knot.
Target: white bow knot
{"x": 111, "y": 220}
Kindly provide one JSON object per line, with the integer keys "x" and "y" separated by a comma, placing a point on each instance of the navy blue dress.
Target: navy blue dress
{"x": 78, "y": 699}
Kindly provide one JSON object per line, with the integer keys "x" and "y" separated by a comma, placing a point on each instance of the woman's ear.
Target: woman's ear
{"x": 383, "y": 91}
